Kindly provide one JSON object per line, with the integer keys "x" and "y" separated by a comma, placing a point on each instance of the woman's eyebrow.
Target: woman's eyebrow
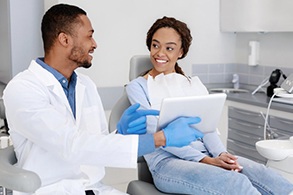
{"x": 155, "y": 40}
{"x": 168, "y": 43}
{"x": 171, "y": 43}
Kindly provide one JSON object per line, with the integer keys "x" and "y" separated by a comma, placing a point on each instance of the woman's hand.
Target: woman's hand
{"x": 224, "y": 160}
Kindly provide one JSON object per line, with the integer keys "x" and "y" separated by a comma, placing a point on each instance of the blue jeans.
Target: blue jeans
{"x": 173, "y": 175}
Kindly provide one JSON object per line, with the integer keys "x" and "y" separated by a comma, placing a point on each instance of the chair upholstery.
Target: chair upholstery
{"x": 2, "y": 109}
{"x": 15, "y": 178}
{"x": 138, "y": 65}
{"x": 118, "y": 110}
{"x": 138, "y": 187}
{"x": 144, "y": 185}
{"x": 4, "y": 129}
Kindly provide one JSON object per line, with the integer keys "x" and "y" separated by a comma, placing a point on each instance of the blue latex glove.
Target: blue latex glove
{"x": 133, "y": 121}
{"x": 179, "y": 133}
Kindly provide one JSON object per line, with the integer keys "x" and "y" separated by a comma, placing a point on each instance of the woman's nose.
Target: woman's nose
{"x": 161, "y": 52}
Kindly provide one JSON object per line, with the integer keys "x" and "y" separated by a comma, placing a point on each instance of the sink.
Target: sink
{"x": 275, "y": 149}
{"x": 228, "y": 90}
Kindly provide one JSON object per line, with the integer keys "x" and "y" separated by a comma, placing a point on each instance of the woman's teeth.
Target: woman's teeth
{"x": 161, "y": 61}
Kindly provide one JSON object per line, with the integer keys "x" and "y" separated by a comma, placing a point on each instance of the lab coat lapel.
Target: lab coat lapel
{"x": 79, "y": 96}
{"x": 50, "y": 81}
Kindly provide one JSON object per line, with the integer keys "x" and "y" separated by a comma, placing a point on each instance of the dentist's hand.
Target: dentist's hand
{"x": 133, "y": 121}
{"x": 179, "y": 132}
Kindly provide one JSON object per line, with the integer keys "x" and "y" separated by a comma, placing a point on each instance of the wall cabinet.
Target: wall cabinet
{"x": 243, "y": 125}
{"x": 256, "y": 15}
{"x": 244, "y": 130}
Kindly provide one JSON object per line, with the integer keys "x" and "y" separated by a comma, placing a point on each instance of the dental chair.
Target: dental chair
{"x": 11, "y": 177}
{"x": 144, "y": 185}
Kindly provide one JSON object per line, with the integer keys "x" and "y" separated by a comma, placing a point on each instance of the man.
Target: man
{"x": 56, "y": 118}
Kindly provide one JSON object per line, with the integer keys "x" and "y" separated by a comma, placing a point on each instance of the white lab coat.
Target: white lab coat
{"x": 68, "y": 154}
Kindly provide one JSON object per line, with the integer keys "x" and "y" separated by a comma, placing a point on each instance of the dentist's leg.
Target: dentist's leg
{"x": 173, "y": 175}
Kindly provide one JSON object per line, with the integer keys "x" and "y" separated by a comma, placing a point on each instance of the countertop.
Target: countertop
{"x": 258, "y": 99}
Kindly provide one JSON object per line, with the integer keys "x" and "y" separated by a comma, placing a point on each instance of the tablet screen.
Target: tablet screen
{"x": 208, "y": 107}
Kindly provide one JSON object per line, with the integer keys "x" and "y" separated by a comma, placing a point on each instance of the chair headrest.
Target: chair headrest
{"x": 2, "y": 109}
{"x": 138, "y": 65}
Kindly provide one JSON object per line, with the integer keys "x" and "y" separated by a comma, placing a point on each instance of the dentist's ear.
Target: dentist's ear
{"x": 63, "y": 39}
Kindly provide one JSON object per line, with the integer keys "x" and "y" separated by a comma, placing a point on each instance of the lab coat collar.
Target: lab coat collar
{"x": 42, "y": 74}
{"x": 48, "y": 79}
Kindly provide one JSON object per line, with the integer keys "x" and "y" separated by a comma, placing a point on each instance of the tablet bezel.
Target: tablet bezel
{"x": 208, "y": 107}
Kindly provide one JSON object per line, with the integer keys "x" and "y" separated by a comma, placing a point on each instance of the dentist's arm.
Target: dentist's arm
{"x": 178, "y": 133}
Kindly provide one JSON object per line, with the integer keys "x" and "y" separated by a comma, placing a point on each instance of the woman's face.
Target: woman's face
{"x": 165, "y": 50}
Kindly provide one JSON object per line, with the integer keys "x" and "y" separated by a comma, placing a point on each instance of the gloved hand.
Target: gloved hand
{"x": 179, "y": 132}
{"x": 133, "y": 121}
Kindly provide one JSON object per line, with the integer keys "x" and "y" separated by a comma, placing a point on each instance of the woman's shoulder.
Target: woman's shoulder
{"x": 138, "y": 80}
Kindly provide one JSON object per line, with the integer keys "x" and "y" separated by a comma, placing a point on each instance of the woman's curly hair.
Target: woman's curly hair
{"x": 180, "y": 27}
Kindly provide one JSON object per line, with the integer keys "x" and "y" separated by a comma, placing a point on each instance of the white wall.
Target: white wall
{"x": 121, "y": 27}
{"x": 20, "y": 35}
{"x": 26, "y": 42}
{"x": 276, "y": 49}
{"x": 5, "y": 47}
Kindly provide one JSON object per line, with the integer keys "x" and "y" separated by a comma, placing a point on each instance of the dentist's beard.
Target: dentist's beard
{"x": 85, "y": 64}
{"x": 80, "y": 57}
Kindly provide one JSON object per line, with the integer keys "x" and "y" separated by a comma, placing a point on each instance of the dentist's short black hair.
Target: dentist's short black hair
{"x": 59, "y": 18}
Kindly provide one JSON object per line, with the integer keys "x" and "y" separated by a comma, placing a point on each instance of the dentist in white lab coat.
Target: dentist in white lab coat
{"x": 56, "y": 118}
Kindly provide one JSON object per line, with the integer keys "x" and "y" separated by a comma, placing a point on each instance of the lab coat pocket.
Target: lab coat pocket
{"x": 91, "y": 120}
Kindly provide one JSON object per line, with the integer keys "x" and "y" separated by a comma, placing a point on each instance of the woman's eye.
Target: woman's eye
{"x": 155, "y": 46}
{"x": 170, "y": 49}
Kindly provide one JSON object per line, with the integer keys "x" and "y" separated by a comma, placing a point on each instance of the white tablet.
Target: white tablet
{"x": 208, "y": 107}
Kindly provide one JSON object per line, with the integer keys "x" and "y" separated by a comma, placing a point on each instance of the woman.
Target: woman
{"x": 203, "y": 167}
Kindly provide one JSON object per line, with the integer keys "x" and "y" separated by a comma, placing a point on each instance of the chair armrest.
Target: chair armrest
{"x": 2, "y": 109}
{"x": 117, "y": 111}
{"x": 14, "y": 178}
{"x": 138, "y": 187}
{"x": 143, "y": 171}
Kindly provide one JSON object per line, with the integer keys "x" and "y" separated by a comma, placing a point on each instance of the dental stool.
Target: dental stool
{"x": 279, "y": 154}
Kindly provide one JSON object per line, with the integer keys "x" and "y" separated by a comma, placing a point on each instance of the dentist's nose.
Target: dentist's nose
{"x": 94, "y": 44}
